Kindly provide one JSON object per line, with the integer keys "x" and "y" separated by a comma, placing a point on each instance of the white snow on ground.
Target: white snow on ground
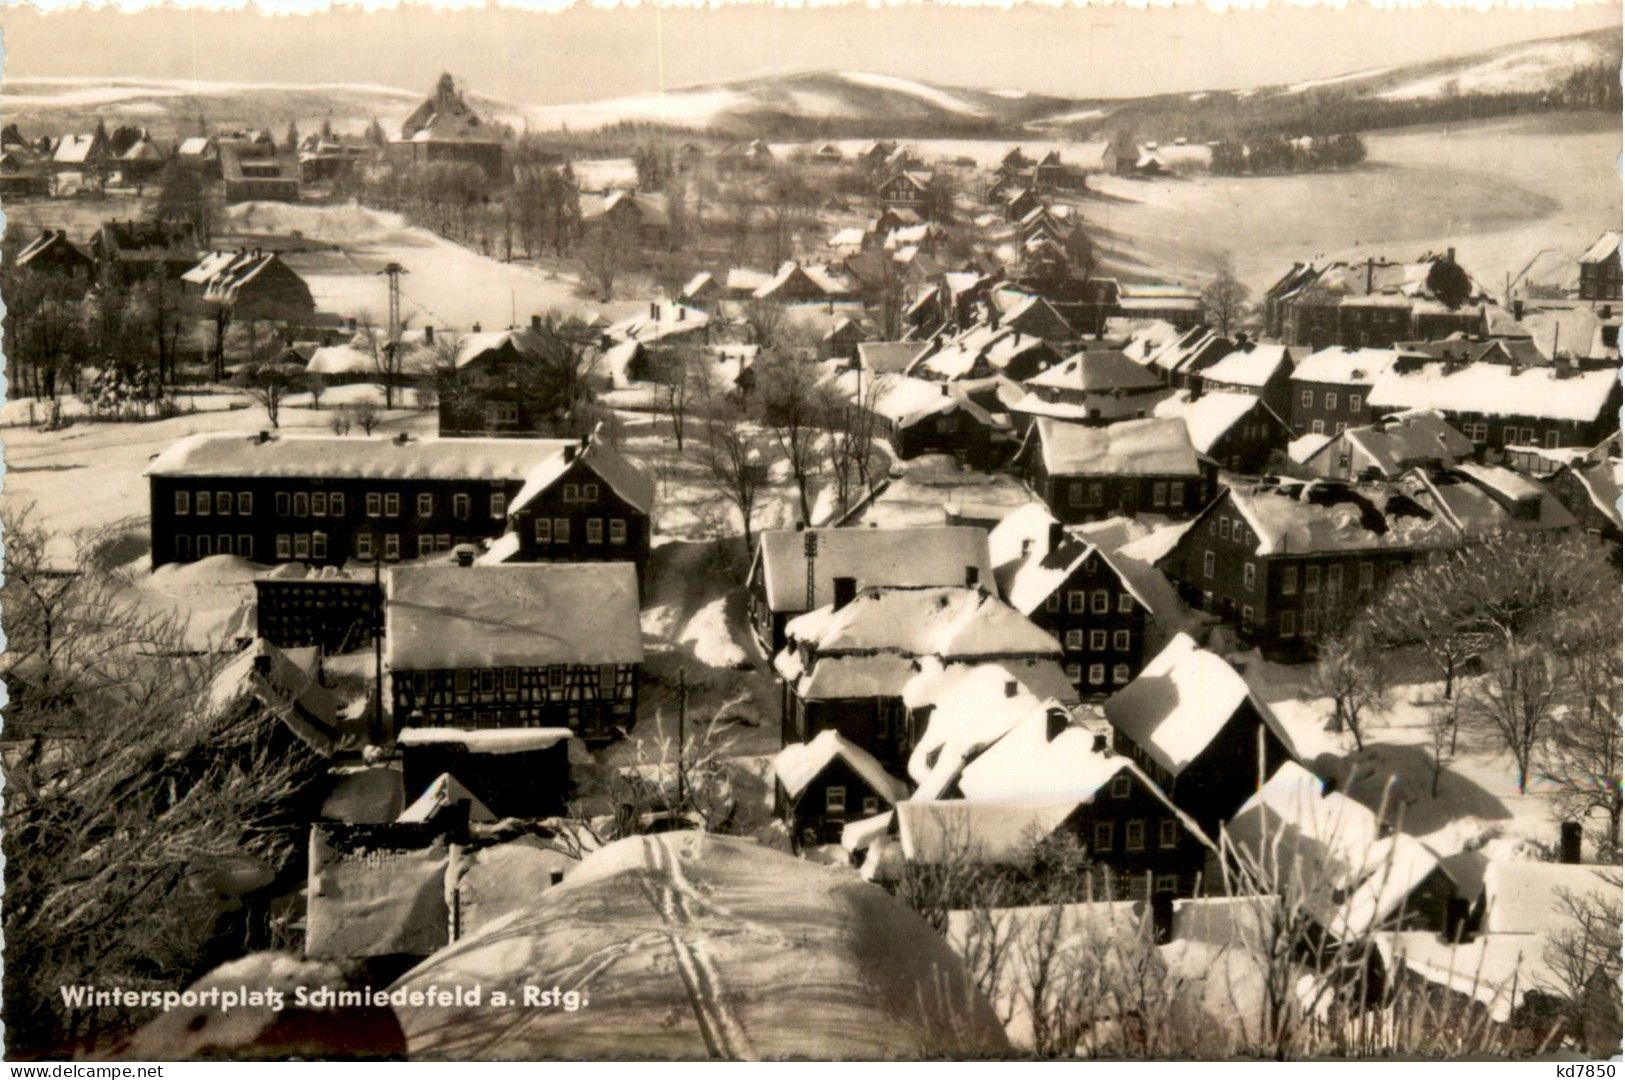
{"x": 1530, "y": 68}
{"x": 446, "y": 284}
{"x": 708, "y": 631}
{"x": 940, "y": 98}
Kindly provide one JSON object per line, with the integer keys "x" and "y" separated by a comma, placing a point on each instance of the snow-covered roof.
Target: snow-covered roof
{"x": 486, "y": 740}
{"x": 1252, "y": 366}
{"x": 1284, "y": 524}
{"x": 1521, "y": 897}
{"x": 665, "y": 320}
{"x": 265, "y": 674}
{"x": 1602, "y": 249}
{"x": 696, "y": 283}
{"x": 1180, "y": 702}
{"x": 949, "y": 623}
{"x": 906, "y": 401}
{"x": 1482, "y": 500}
{"x": 1307, "y": 446}
{"x": 1392, "y": 445}
{"x": 888, "y": 357}
{"x": 1149, "y": 447}
{"x": 850, "y": 237}
{"x": 624, "y": 478}
{"x": 513, "y": 615}
{"x": 1211, "y": 416}
{"x": 340, "y": 360}
{"x": 971, "y": 707}
{"x": 1329, "y": 852}
{"x": 1497, "y": 390}
{"x": 522, "y": 340}
{"x": 1097, "y": 372}
{"x": 380, "y": 457}
{"x": 444, "y": 792}
{"x": 1032, "y": 578}
{"x": 933, "y": 832}
{"x": 1335, "y": 364}
{"x": 74, "y": 149}
{"x": 1602, "y": 484}
{"x": 799, "y": 764}
{"x": 932, "y": 555}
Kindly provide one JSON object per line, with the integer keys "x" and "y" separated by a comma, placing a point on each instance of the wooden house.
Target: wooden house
{"x": 906, "y": 189}
{"x": 1388, "y": 448}
{"x": 1085, "y": 473}
{"x": 845, "y": 666}
{"x": 249, "y": 284}
{"x": 1600, "y": 269}
{"x": 1076, "y": 591}
{"x": 1201, "y": 733}
{"x": 518, "y": 646}
{"x": 1238, "y": 431}
{"x": 323, "y": 500}
{"x": 789, "y": 562}
{"x": 1330, "y": 855}
{"x": 1591, "y": 492}
{"x": 822, "y": 785}
{"x": 1093, "y": 387}
{"x": 585, "y": 504}
{"x": 1286, "y": 562}
{"x": 1501, "y": 406}
{"x": 258, "y": 178}
{"x": 23, "y": 175}
{"x": 137, "y": 250}
{"x": 332, "y": 609}
{"x": 509, "y": 772}
{"x": 1254, "y": 367}
{"x": 1331, "y": 389}
{"x": 925, "y": 417}
{"x": 499, "y": 384}
{"x": 52, "y": 254}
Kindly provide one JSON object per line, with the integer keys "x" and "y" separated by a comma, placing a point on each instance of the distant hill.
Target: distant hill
{"x": 1579, "y": 71}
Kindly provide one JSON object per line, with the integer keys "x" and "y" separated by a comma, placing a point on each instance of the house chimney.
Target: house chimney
{"x": 465, "y": 554}
{"x": 1569, "y": 843}
{"x": 1011, "y": 688}
{"x": 570, "y": 452}
{"x": 654, "y": 310}
{"x": 264, "y": 437}
{"x": 555, "y": 877}
{"x": 1100, "y": 742}
{"x": 681, "y": 311}
{"x": 1456, "y": 930}
{"x": 973, "y": 577}
{"x": 262, "y": 665}
{"x": 846, "y": 590}
{"x": 1162, "y": 918}
{"x": 1517, "y": 311}
{"x": 476, "y": 328}
{"x": 1370, "y": 269}
{"x": 1055, "y": 722}
{"x": 1026, "y": 546}
{"x": 535, "y": 322}
{"x": 403, "y": 438}
{"x": 1450, "y": 255}
{"x": 1057, "y": 534}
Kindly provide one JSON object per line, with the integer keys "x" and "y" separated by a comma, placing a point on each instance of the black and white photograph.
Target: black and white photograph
{"x": 915, "y": 532}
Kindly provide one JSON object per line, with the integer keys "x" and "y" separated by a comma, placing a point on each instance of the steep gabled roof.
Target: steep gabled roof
{"x": 1149, "y": 447}
{"x": 1211, "y": 416}
{"x": 948, "y": 623}
{"x": 1177, "y": 706}
{"x": 624, "y": 478}
{"x": 799, "y": 764}
{"x": 1097, "y": 372}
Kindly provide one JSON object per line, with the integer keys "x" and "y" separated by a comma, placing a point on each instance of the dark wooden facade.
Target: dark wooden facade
{"x": 1075, "y": 499}
{"x": 1324, "y": 408}
{"x": 322, "y": 522}
{"x": 877, "y": 724}
{"x": 581, "y": 518}
{"x": 336, "y": 615}
{"x": 1213, "y": 786}
{"x": 1278, "y": 601}
{"x": 527, "y": 784}
{"x": 836, "y": 796}
{"x": 1100, "y": 625}
{"x": 1135, "y": 842}
{"x": 592, "y": 700}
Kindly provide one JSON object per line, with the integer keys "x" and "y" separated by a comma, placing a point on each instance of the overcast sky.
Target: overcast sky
{"x": 531, "y": 57}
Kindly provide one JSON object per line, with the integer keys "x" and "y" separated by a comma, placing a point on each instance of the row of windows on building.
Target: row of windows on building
{"x": 1093, "y": 493}
{"x": 1098, "y": 602}
{"x": 1312, "y": 576}
{"x": 489, "y": 682}
{"x": 311, "y": 545}
{"x": 1355, "y": 401}
{"x": 1121, "y": 640}
{"x": 1290, "y": 624}
{"x": 835, "y": 801}
{"x": 557, "y": 530}
{"x": 326, "y": 504}
{"x": 1121, "y": 674}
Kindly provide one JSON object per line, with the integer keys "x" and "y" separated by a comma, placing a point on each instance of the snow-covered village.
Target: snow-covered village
{"x": 813, "y": 564}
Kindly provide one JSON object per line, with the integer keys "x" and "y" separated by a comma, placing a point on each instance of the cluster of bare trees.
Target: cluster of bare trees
{"x": 138, "y": 820}
{"x": 1538, "y": 617}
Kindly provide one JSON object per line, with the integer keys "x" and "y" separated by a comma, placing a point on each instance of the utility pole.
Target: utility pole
{"x": 682, "y": 724}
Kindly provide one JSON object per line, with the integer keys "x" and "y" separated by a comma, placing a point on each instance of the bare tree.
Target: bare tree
{"x": 1444, "y": 721}
{"x": 855, "y": 456}
{"x": 1349, "y": 669}
{"x": 765, "y": 322}
{"x": 1426, "y": 604}
{"x": 1583, "y": 754}
{"x": 1583, "y": 954}
{"x": 682, "y": 374}
{"x": 610, "y": 249}
{"x": 1224, "y": 298}
{"x": 364, "y": 414}
{"x": 733, "y": 460}
{"x": 793, "y": 407}
{"x": 269, "y": 383}
{"x": 1516, "y": 700}
{"x": 316, "y": 386}
{"x": 388, "y": 357}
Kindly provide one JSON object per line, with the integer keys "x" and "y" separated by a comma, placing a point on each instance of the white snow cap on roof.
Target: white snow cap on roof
{"x": 1498, "y": 390}
{"x": 1180, "y": 702}
{"x": 623, "y": 478}
{"x": 799, "y": 764}
{"x": 1209, "y": 417}
{"x": 513, "y": 615}
{"x": 1149, "y": 447}
{"x": 378, "y": 457}
{"x": 1330, "y": 851}
{"x": 932, "y": 555}
{"x": 951, "y": 623}
{"x": 1250, "y": 367}
{"x": 972, "y": 707}
{"x": 978, "y": 831}
{"x": 1336, "y": 364}
{"x": 446, "y": 791}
